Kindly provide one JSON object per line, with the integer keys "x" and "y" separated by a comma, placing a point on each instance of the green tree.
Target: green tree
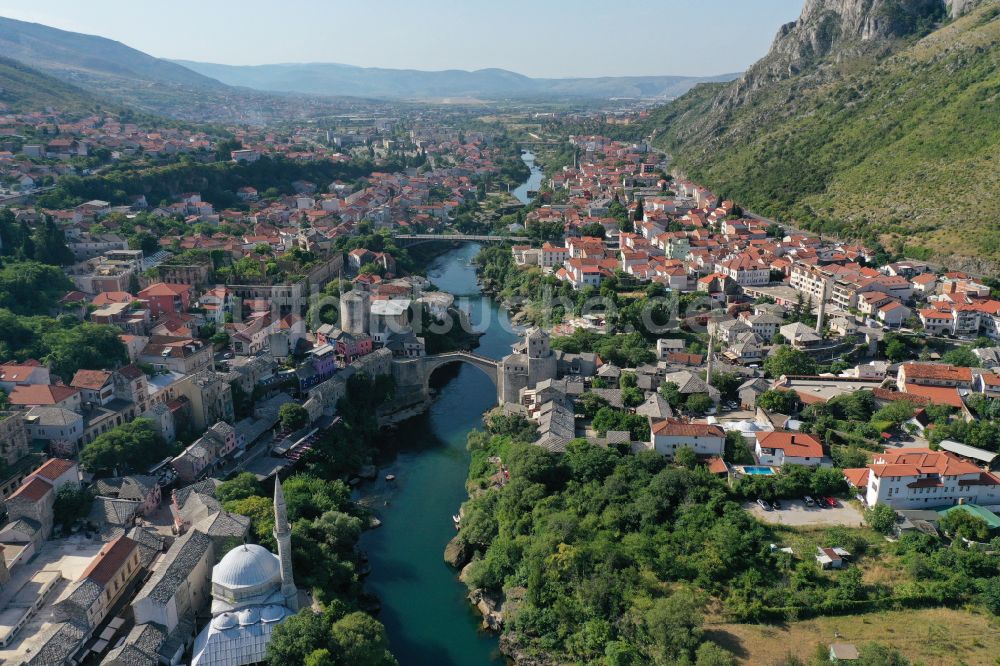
{"x": 962, "y": 357}
{"x": 298, "y": 637}
{"x": 686, "y": 457}
{"x": 632, "y": 397}
{"x": 671, "y": 392}
{"x": 241, "y": 486}
{"x": 786, "y": 360}
{"x": 84, "y": 346}
{"x": 896, "y": 350}
{"x": 131, "y": 447}
{"x": 881, "y": 518}
{"x": 961, "y": 524}
{"x": 875, "y": 654}
{"x": 589, "y": 403}
{"x": 30, "y": 287}
{"x": 72, "y": 504}
{"x": 360, "y": 640}
{"x": 698, "y": 404}
{"x": 779, "y": 402}
{"x": 293, "y": 416}
{"x": 710, "y": 654}
{"x": 674, "y": 624}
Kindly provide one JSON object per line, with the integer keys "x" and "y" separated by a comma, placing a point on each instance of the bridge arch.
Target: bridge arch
{"x": 487, "y": 366}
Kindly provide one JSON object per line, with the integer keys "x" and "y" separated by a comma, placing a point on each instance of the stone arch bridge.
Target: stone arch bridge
{"x": 409, "y": 240}
{"x": 413, "y": 375}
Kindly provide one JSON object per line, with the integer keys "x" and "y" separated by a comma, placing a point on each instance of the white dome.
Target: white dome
{"x": 248, "y": 565}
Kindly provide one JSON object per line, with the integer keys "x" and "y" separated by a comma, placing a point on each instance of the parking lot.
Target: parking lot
{"x": 795, "y": 513}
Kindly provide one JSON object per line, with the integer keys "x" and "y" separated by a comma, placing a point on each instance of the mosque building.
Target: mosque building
{"x": 252, "y": 593}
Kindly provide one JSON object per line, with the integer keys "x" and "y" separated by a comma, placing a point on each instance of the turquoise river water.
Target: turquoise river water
{"x": 424, "y": 606}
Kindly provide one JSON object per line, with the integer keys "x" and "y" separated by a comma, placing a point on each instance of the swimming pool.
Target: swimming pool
{"x": 758, "y": 470}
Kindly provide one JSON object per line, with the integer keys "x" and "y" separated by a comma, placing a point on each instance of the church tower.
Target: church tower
{"x": 283, "y": 535}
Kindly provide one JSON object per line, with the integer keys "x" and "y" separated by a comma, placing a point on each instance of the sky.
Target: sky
{"x": 542, "y": 38}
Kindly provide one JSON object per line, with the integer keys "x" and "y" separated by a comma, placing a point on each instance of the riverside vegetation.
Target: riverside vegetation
{"x": 604, "y": 556}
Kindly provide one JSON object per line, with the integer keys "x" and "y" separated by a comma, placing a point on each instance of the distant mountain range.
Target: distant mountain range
{"x": 872, "y": 119}
{"x": 336, "y": 79}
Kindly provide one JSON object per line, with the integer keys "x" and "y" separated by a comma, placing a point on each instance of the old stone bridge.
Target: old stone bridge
{"x": 412, "y": 376}
{"x": 409, "y": 240}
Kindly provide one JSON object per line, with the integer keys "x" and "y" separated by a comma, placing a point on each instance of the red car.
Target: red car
{"x": 830, "y": 501}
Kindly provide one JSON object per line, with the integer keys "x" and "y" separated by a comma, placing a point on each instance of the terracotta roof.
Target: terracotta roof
{"x": 938, "y": 395}
{"x": 16, "y": 372}
{"x": 109, "y": 561}
{"x": 34, "y": 490}
{"x": 893, "y": 396}
{"x": 131, "y": 372}
{"x": 54, "y": 468}
{"x": 676, "y": 428}
{"x": 796, "y": 444}
{"x": 90, "y": 379}
{"x": 857, "y": 477}
{"x": 717, "y": 465}
{"x": 40, "y": 394}
{"x": 938, "y": 371}
{"x": 918, "y": 462}
{"x": 163, "y": 289}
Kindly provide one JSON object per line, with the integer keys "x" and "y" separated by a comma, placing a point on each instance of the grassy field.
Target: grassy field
{"x": 933, "y": 637}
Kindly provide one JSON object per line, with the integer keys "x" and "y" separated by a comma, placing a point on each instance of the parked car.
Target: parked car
{"x": 808, "y": 500}
{"x": 764, "y": 505}
{"x": 831, "y": 501}
{"x": 776, "y": 505}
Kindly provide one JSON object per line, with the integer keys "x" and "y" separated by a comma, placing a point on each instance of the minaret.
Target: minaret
{"x": 283, "y": 535}
{"x": 711, "y": 351}
{"x": 821, "y": 315}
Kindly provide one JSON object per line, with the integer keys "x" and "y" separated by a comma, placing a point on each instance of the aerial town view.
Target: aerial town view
{"x": 540, "y": 334}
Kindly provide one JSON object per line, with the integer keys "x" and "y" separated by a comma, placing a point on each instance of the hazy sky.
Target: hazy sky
{"x": 534, "y": 37}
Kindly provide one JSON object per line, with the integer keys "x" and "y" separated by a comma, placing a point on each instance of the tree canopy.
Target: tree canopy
{"x": 131, "y": 447}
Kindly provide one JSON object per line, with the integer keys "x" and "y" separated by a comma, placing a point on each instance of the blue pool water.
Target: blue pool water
{"x": 758, "y": 470}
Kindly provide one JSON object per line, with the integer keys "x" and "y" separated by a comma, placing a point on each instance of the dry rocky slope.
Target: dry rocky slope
{"x": 873, "y": 119}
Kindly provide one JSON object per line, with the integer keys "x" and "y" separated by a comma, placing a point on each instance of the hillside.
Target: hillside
{"x": 336, "y": 79}
{"x": 112, "y": 71}
{"x": 25, "y": 89}
{"x": 877, "y": 119}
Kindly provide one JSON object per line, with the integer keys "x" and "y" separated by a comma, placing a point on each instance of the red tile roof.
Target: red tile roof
{"x": 936, "y": 371}
{"x": 40, "y": 394}
{"x": 54, "y": 468}
{"x": 34, "y": 490}
{"x": 938, "y": 395}
{"x": 676, "y": 428}
{"x": 109, "y": 561}
{"x": 796, "y": 444}
{"x": 857, "y": 477}
{"x": 918, "y": 462}
{"x": 93, "y": 380}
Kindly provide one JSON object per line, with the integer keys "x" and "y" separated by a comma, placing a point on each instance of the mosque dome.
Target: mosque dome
{"x": 246, "y": 566}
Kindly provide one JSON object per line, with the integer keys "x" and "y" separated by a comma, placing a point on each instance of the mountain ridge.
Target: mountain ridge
{"x": 890, "y": 139}
{"x": 382, "y": 82}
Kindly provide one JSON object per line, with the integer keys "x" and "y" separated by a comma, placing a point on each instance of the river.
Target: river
{"x": 424, "y": 606}
{"x": 534, "y": 180}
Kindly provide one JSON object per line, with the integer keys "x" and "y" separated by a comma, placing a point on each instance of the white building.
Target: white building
{"x": 253, "y": 592}
{"x": 912, "y": 478}
{"x": 784, "y": 447}
{"x": 669, "y": 435}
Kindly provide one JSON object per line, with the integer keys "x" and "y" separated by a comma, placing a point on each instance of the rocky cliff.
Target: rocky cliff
{"x": 871, "y": 119}
{"x": 829, "y": 32}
